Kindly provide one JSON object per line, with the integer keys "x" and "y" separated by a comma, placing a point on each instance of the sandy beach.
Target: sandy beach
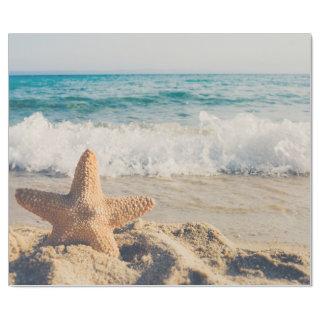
{"x": 154, "y": 254}
{"x": 204, "y": 231}
{"x": 226, "y": 158}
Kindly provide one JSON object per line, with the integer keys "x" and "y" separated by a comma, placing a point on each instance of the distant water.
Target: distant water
{"x": 161, "y": 125}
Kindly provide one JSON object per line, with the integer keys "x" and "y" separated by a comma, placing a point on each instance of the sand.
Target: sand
{"x": 154, "y": 254}
{"x": 251, "y": 209}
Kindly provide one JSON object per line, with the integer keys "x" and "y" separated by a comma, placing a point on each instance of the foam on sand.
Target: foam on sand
{"x": 152, "y": 254}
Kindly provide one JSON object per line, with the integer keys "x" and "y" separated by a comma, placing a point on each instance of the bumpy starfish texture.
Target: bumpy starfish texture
{"x": 85, "y": 215}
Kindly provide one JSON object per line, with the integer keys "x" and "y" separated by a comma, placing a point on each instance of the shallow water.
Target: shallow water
{"x": 248, "y": 209}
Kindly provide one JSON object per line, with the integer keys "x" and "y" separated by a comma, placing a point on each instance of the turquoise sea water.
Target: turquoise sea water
{"x": 161, "y": 125}
{"x": 158, "y": 98}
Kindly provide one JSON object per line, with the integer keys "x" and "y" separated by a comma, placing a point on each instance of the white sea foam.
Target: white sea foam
{"x": 242, "y": 145}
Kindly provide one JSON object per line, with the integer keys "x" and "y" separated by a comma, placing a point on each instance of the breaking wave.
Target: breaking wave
{"x": 242, "y": 145}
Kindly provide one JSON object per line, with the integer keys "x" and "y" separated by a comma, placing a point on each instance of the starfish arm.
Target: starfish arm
{"x": 58, "y": 235}
{"x": 102, "y": 240}
{"x": 125, "y": 209}
{"x": 46, "y": 205}
{"x": 86, "y": 181}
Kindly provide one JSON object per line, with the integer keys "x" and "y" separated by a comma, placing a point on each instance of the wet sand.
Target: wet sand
{"x": 248, "y": 209}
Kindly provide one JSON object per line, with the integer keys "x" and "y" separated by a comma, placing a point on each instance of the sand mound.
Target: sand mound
{"x": 151, "y": 254}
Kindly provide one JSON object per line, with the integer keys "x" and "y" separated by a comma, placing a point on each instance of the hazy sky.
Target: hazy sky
{"x": 159, "y": 53}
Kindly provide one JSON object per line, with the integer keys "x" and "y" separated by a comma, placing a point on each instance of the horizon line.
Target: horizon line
{"x": 71, "y": 73}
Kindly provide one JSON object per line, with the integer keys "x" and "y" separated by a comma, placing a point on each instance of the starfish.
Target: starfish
{"x": 85, "y": 215}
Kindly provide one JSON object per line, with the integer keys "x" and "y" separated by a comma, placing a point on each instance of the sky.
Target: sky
{"x": 159, "y": 53}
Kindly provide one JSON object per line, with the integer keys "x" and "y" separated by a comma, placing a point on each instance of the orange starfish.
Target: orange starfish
{"x": 85, "y": 215}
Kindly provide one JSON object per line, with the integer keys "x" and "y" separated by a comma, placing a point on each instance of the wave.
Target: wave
{"x": 242, "y": 145}
{"x": 92, "y": 104}
{"x": 71, "y": 102}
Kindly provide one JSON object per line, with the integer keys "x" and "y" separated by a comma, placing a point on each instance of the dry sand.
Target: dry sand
{"x": 154, "y": 254}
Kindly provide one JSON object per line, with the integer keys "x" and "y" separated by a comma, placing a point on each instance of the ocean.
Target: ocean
{"x": 233, "y": 150}
{"x": 161, "y": 125}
